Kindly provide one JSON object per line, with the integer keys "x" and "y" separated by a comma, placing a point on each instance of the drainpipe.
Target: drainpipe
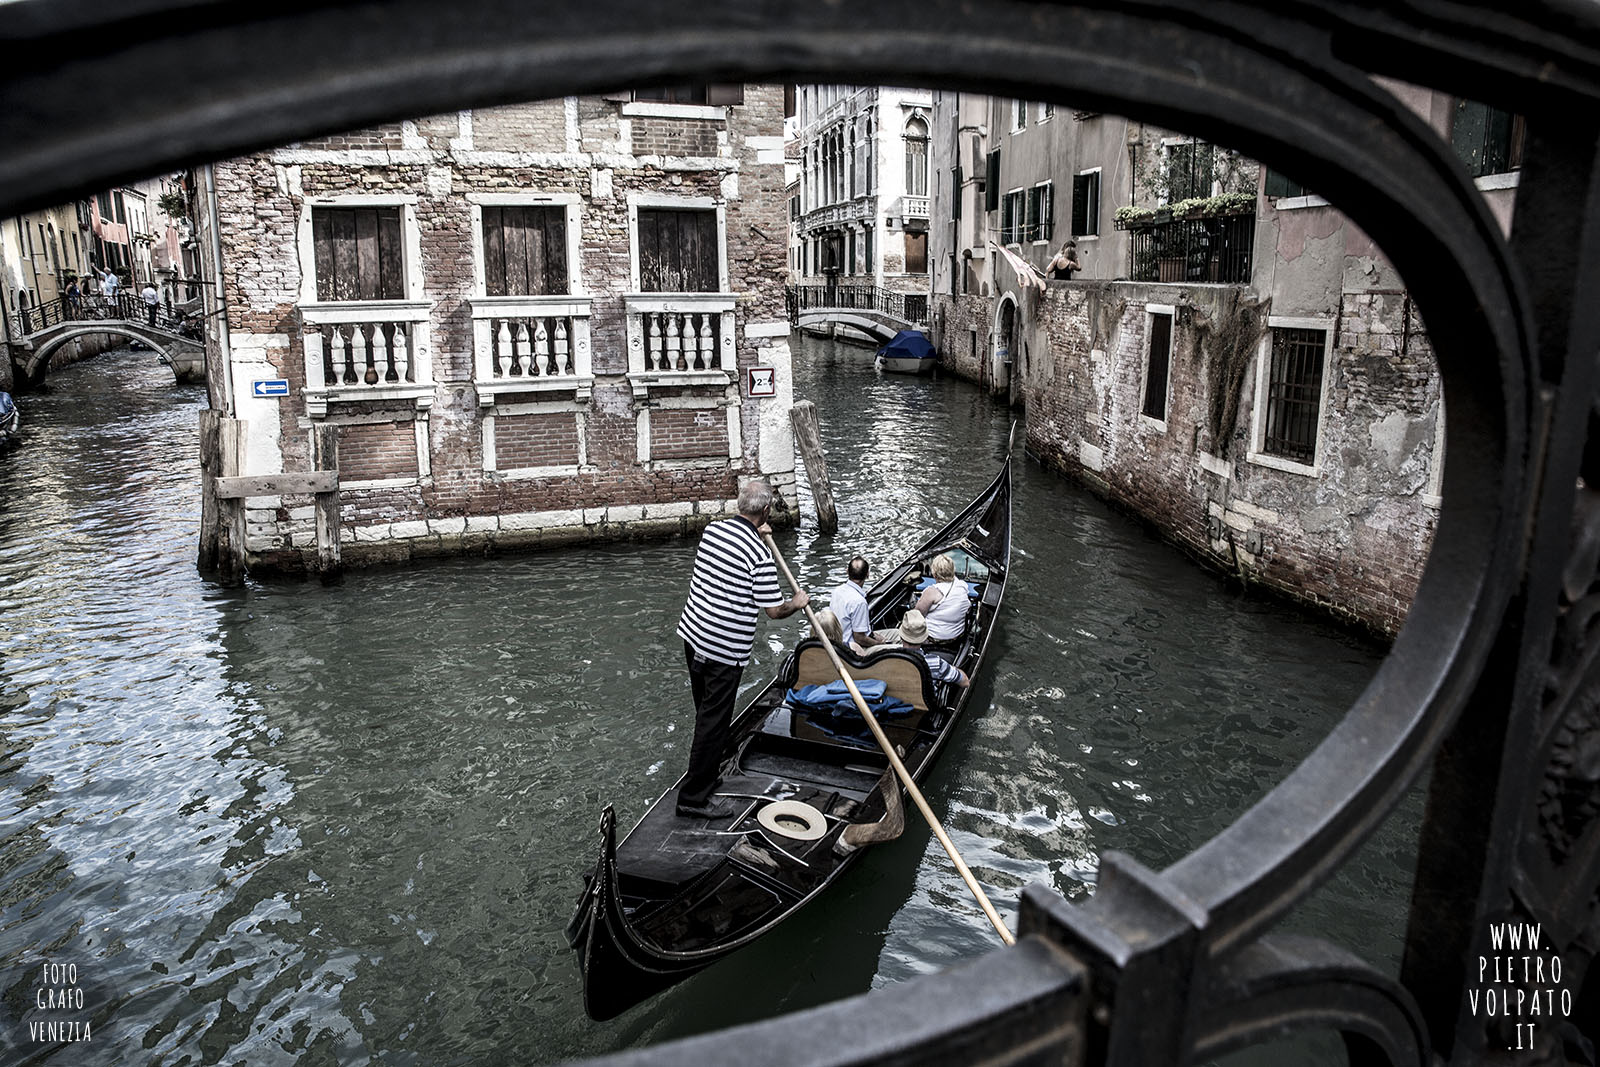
{"x": 223, "y": 341}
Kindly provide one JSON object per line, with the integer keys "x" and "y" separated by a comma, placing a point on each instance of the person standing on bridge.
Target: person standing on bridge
{"x": 74, "y": 300}
{"x": 108, "y": 286}
{"x": 152, "y": 300}
{"x": 734, "y": 577}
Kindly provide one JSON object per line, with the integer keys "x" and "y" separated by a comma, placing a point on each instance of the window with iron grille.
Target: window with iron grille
{"x": 358, "y": 253}
{"x": 1157, "y": 364}
{"x": 1294, "y": 394}
{"x": 1191, "y": 170}
{"x": 1488, "y": 140}
{"x": 678, "y": 250}
{"x": 1041, "y": 212}
{"x": 524, "y": 251}
{"x": 1013, "y": 216}
{"x": 1086, "y": 204}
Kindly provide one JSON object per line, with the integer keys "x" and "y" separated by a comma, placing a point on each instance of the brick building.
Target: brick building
{"x": 1243, "y": 369}
{"x": 531, "y": 324}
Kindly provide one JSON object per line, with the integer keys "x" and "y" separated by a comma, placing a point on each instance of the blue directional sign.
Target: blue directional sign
{"x": 269, "y": 387}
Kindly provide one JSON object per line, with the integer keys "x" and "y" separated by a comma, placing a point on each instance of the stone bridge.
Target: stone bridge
{"x": 47, "y": 327}
{"x": 869, "y": 308}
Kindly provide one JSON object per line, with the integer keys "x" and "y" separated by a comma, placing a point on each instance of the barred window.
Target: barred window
{"x": 1086, "y": 204}
{"x": 1294, "y": 394}
{"x": 1013, "y": 217}
{"x": 1041, "y": 212}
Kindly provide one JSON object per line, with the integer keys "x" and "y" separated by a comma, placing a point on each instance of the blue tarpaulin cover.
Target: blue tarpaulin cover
{"x": 834, "y": 712}
{"x": 909, "y": 344}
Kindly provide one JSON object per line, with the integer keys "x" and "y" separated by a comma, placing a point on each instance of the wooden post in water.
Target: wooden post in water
{"x": 210, "y": 467}
{"x": 230, "y": 509}
{"x": 325, "y": 457}
{"x": 807, "y": 435}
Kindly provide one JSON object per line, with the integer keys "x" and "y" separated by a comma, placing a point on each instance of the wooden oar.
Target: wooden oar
{"x": 894, "y": 760}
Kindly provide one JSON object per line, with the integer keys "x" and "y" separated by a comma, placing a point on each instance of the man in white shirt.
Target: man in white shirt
{"x": 849, "y": 602}
{"x": 152, "y": 300}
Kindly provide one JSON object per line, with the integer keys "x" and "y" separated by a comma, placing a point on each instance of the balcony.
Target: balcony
{"x": 366, "y": 350}
{"x": 914, "y": 207}
{"x": 531, "y": 344}
{"x": 1213, "y": 249}
{"x": 679, "y": 339}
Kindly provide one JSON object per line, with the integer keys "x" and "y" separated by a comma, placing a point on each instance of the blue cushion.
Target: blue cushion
{"x": 972, "y": 589}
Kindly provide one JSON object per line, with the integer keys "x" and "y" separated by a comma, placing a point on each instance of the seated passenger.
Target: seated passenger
{"x": 913, "y": 632}
{"x": 944, "y": 603}
{"x": 830, "y": 629}
{"x": 849, "y": 601}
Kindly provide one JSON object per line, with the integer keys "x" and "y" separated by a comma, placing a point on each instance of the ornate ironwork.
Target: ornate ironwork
{"x": 1493, "y": 682}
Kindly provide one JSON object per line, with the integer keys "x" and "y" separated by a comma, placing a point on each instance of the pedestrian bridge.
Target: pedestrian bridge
{"x": 870, "y": 308}
{"x": 175, "y": 339}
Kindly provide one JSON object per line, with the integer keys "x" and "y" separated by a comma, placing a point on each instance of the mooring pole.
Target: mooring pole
{"x": 325, "y": 457}
{"x": 210, "y": 468}
{"x": 808, "y": 436}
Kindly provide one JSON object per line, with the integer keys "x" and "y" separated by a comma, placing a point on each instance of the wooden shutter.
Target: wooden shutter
{"x": 722, "y": 95}
{"x": 991, "y": 187}
{"x": 524, "y": 251}
{"x": 678, "y": 251}
{"x": 358, "y": 253}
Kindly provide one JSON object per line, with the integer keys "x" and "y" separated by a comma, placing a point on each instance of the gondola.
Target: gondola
{"x": 805, "y": 789}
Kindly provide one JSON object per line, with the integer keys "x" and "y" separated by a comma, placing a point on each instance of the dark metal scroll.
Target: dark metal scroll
{"x": 1493, "y": 683}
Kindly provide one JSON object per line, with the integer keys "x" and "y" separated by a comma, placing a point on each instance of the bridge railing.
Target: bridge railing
{"x": 97, "y": 307}
{"x": 909, "y": 307}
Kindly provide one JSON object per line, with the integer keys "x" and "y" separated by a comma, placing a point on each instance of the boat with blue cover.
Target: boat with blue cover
{"x": 908, "y": 352}
{"x": 805, "y": 790}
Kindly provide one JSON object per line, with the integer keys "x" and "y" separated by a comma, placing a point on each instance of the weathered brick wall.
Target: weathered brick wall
{"x": 675, "y": 137}
{"x": 1352, "y": 539}
{"x": 544, "y": 440}
{"x": 688, "y": 434}
{"x": 511, "y": 149}
{"x": 378, "y": 450}
{"x": 964, "y": 347}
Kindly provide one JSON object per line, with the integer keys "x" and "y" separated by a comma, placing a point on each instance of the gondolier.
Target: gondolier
{"x": 734, "y": 578}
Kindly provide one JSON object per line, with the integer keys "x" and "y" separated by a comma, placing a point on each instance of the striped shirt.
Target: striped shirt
{"x": 734, "y": 578}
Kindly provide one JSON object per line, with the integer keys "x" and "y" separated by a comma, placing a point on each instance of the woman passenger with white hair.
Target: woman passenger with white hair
{"x": 944, "y": 603}
{"x": 832, "y": 629}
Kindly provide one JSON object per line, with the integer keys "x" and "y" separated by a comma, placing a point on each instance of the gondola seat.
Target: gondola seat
{"x": 904, "y": 673}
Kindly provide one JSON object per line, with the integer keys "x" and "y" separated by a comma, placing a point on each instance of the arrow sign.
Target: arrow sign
{"x": 269, "y": 387}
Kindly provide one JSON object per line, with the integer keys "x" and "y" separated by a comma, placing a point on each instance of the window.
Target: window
{"x": 991, "y": 182}
{"x": 1157, "y": 363}
{"x": 1046, "y": 112}
{"x": 121, "y": 206}
{"x": 524, "y": 251}
{"x": 916, "y": 158}
{"x": 1191, "y": 170}
{"x": 871, "y": 264}
{"x": 103, "y": 202}
{"x": 1086, "y": 204}
{"x": 358, "y": 253}
{"x": 678, "y": 251}
{"x": 1019, "y": 115}
{"x": 673, "y": 94}
{"x": 955, "y": 193}
{"x": 1294, "y": 394}
{"x": 794, "y": 207}
{"x": 1489, "y": 141}
{"x": 1041, "y": 212}
{"x": 1012, "y": 217}
{"x": 916, "y": 253}
{"x": 1279, "y": 185}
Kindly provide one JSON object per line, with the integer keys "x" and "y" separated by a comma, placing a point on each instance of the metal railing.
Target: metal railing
{"x": 1216, "y": 249}
{"x": 909, "y": 307}
{"x": 96, "y": 307}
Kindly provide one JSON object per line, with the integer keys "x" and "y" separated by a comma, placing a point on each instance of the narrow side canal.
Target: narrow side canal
{"x": 349, "y": 824}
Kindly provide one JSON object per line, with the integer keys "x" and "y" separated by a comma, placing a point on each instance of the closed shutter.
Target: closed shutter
{"x": 358, "y": 253}
{"x": 524, "y": 251}
{"x": 678, "y": 251}
{"x": 991, "y": 187}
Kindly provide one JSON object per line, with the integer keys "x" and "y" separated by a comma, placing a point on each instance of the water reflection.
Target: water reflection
{"x": 348, "y": 823}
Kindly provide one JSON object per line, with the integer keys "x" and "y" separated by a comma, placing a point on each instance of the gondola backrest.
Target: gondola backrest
{"x": 904, "y": 673}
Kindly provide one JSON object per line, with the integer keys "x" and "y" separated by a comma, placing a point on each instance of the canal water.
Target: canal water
{"x": 348, "y": 824}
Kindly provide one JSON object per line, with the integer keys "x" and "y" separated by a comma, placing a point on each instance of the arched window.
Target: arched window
{"x": 916, "y": 158}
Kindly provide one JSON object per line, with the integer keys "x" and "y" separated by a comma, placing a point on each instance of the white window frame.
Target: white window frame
{"x": 678, "y": 203}
{"x": 573, "y": 205}
{"x": 1099, "y": 190}
{"x": 1050, "y": 184}
{"x": 414, "y": 309}
{"x": 1019, "y": 115}
{"x": 1258, "y": 414}
{"x": 1047, "y": 111}
{"x": 1015, "y": 229}
{"x": 1150, "y": 312}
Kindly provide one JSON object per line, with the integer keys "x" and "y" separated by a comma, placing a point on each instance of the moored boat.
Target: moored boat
{"x": 805, "y": 790}
{"x": 908, "y": 352}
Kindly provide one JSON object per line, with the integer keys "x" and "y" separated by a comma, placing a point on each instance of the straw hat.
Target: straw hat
{"x": 913, "y": 628}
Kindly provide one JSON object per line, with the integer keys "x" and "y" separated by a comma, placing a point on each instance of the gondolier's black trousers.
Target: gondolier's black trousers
{"x": 716, "y": 688}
